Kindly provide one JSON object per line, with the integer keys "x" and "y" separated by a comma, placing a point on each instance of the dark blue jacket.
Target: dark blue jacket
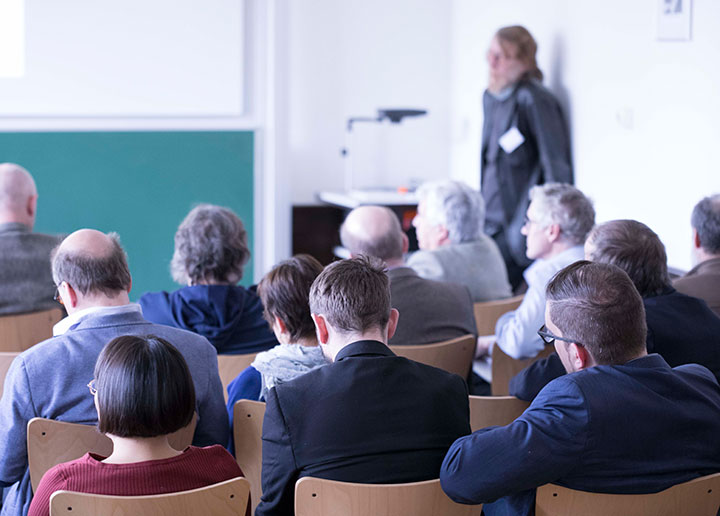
{"x": 635, "y": 428}
{"x": 681, "y": 328}
{"x": 230, "y": 317}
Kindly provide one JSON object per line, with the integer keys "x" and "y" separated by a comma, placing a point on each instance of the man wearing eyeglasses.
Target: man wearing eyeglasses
{"x": 622, "y": 422}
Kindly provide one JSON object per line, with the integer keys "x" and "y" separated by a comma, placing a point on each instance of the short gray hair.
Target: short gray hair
{"x": 456, "y": 206}
{"x": 566, "y": 206}
{"x": 210, "y": 244}
{"x": 90, "y": 274}
{"x": 706, "y": 221}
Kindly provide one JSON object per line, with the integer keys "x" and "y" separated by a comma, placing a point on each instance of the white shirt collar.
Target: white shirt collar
{"x": 71, "y": 320}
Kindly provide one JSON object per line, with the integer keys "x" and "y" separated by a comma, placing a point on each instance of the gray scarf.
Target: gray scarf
{"x": 286, "y": 362}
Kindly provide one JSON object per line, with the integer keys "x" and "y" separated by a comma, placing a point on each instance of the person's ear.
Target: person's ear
{"x": 129, "y": 285}
{"x": 321, "y": 328}
{"x": 553, "y": 232}
{"x": 696, "y": 239}
{"x": 580, "y": 357}
{"x": 31, "y": 207}
{"x": 392, "y": 323}
{"x": 279, "y": 325}
{"x": 68, "y": 294}
{"x": 405, "y": 243}
{"x": 442, "y": 233}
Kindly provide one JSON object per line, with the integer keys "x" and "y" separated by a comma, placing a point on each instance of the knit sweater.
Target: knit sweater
{"x": 194, "y": 468}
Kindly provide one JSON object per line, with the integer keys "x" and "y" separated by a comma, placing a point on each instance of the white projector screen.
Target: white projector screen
{"x": 129, "y": 58}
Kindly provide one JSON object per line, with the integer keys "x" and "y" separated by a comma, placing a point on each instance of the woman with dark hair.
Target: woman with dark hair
{"x": 525, "y": 141}
{"x": 143, "y": 393}
{"x": 211, "y": 250}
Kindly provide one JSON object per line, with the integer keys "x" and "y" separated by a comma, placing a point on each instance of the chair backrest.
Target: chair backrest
{"x": 247, "y": 434}
{"x": 699, "y": 497}
{"x": 487, "y": 313}
{"x": 6, "y": 358}
{"x": 227, "y": 498}
{"x": 504, "y": 367}
{"x": 319, "y": 497}
{"x": 453, "y": 355}
{"x": 50, "y": 443}
{"x": 18, "y": 332}
{"x": 230, "y": 366}
{"x": 495, "y": 410}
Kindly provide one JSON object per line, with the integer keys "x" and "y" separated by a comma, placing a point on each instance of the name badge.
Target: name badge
{"x": 511, "y": 140}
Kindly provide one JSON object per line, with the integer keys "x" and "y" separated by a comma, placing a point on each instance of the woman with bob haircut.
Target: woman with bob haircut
{"x": 143, "y": 393}
{"x": 211, "y": 250}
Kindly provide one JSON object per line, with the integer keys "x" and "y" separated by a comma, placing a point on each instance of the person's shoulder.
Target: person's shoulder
{"x": 178, "y": 336}
{"x": 423, "y": 256}
{"x": 531, "y": 91}
{"x": 696, "y": 371}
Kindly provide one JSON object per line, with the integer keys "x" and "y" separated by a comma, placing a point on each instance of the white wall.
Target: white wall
{"x": 643, "y": 113}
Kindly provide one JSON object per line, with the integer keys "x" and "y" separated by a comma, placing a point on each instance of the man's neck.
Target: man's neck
{"x": 339, "y": 341}
{"x": 99, "y": 301}
{"x": 9, "y": 218}
{"x": 703, "y": 256}
{"x": 557, "y": 248}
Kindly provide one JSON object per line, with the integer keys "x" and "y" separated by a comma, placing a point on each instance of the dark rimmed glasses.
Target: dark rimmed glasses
{"x": 549, "y": 339}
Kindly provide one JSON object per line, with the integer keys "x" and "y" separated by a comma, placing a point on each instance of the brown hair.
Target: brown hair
{"x": 525, "y": 46}
{"x": 636, "y": 249}
{"x": 353, "y": 295}
{"x": 144, "y": 388}
{"x": 597, "y": 305}
{"x": 284, "y": 292}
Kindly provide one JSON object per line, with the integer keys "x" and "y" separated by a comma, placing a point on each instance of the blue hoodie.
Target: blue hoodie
{"x": 230, "y": 317}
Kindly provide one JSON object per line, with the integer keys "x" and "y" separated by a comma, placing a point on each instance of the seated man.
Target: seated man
{"x": 622, "y": 421}
{"x": 558, "y": 220}
{"x": 24, "y": 256}
{"x": 680, "y": 328}
{"x": 432, "y": 311}
{"x": 369, "y": 416}
{"x": 49, "y": 379}
{"x": 453, "y": 247}
{"x": 703, "y": 280}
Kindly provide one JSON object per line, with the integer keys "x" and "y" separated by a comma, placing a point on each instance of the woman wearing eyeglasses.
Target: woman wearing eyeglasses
{"x": 143, "y": 393}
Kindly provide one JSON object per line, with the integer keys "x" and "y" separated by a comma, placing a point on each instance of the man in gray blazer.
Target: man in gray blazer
{"x": 430, "y": 311}
{"x": 25, "y": 276}
{"x": 50, "y": 379}
{"x": 453, "y": 246}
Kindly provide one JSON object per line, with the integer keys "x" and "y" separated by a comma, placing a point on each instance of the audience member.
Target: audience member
{"x": 432, "y": 311}
{"x": 703, "y": 280}
{"x": 210, "y": 251}
{"x": 558, "y": 220}
{"x": 453, "y": 247}
{"x": 49, "y": 379}
{"x": 284, "y": 293}
{"x": 369, "y": 416}
{"x": 682, "y": 329}
{"x": 622, "y": 422}
{"x": 143, "y": 393}
{"x": 24, "y": 256}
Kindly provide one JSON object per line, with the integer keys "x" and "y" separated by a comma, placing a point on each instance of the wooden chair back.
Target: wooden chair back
{"x": 230, "y": 366}
{"x": 18, "y": 332}
{"x": 699, "y": 497}
{"x": 50, "y": 443}
{"x": 453, "y": 355}
{"x": 488, "y": 313}
{"x": 319, "y": 497}
{"x": 247, "y": 435}
{"x": 6, "y": 358}
{"x": 504, "y": 367}
{"x": 227, "y": 498}
{"x": 495, "y": 410}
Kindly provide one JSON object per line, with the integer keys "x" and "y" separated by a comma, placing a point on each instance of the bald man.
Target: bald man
{"x": 49, "y": 380}
{"x": 25, "y": 277}
{"x": 430, "y": 311}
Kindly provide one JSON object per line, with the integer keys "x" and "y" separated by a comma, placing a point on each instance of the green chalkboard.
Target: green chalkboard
{"x": 138, "y": 184}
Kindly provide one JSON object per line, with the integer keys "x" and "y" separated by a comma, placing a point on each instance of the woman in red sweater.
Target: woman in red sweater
{"x": 143, "y": 392}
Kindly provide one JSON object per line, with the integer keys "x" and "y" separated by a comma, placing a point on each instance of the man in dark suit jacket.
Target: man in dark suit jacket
{"x": 369, "y": 416}
{"x": 682, "y": 329}
{"x": 25, "y": 279}
{"x": 621, "y": 421}
{"x": 432, "y": 311}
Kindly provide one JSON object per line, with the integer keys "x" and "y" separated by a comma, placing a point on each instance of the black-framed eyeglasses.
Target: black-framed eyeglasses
{"x": 91, "y": 386}
{"x": 549, "y": 339}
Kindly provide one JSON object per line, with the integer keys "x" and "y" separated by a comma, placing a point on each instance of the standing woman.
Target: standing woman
{"x": 525, "y": 141}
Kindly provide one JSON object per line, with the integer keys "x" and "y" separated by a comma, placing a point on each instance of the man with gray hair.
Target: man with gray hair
{"x": 49, "y": 379}
{"x": 453, "y": 247}
{"x": 558, "y": 220}
{"x": 24, "y": 256}
{"x": 432, "y": 311}
{"x": 703, "y": 280}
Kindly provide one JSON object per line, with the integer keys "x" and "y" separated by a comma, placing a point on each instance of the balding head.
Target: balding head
{"x": 374, "y": 231}
{"x": 92, "y": 263}
{"x": 18, "y": 195}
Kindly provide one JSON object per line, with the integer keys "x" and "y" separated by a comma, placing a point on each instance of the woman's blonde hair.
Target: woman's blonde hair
{"x": 525, "y": 46}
